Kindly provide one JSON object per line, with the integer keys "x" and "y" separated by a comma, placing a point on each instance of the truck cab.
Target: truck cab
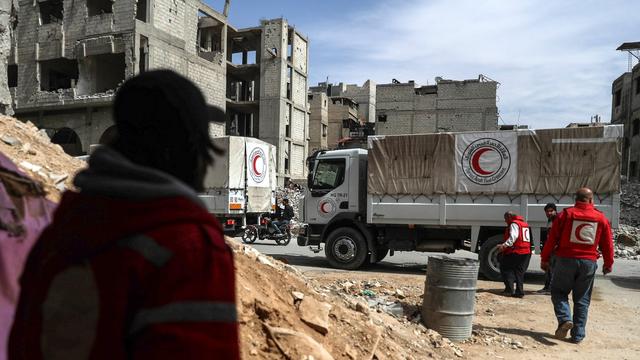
{"x": 336, "y": 199}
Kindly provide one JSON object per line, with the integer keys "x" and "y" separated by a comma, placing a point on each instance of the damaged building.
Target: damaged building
{"x": 71, "y": 56}
{"x": 449, "y": 105}
{"x": 625, "y": 109}
{"x": 267, "y": 91}
{"x": 340, "y": 113}
{"x": 68, "y": 57}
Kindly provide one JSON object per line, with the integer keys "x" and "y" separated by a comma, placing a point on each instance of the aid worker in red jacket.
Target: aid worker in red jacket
{"x": 577, "y": 234}
{"x": 133, "y": 266}
{"x": 516, "y": 253}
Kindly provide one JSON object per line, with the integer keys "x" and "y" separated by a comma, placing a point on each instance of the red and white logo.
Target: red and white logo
{"x": 583, "y": 232}
{"x": 326, "y": 207}
{"x": 486, "y": 161}
{"x": 257, "y": 165}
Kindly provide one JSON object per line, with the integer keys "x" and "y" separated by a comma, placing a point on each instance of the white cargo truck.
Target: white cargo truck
{"x": 241, "y": 184}
{"x": 448, "y": 191}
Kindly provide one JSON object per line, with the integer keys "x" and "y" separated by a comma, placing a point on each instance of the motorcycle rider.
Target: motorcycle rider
{"x": 285, "y": 218}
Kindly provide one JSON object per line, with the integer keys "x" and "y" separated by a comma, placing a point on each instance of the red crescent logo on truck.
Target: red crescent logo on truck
{"x": 486, "y": 161}
{"x": 257, "y": 159}
{"x": 475, "y": 161}
{"x": 326, "y": 207}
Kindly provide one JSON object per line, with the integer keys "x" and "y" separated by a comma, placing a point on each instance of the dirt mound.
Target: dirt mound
{"x": 282, "y": 314}
{"x": 32, "y": 151}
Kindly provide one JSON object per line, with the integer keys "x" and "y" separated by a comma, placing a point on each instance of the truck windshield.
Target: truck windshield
{"x": 329, "y": 174}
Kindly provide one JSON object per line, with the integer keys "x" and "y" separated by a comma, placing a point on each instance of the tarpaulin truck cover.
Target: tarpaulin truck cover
{"x": 548, "y": 161}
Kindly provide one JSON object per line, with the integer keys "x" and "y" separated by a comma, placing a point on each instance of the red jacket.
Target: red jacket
{"x": 522, "y": 245}
{"x": 578, "y": 232}
{"x": 116, "y": 278}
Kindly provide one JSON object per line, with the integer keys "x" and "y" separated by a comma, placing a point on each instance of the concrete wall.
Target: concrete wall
{"x": 318, "y": 121}
{"x": 6, "y": 33}
{"x": 621, "y": 113}
{"x": 625, "y": 110}
{"x": 277, "y": 111}
{"x": 449, "y": 106}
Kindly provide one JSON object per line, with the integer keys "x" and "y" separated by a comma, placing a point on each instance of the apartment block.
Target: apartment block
{"x": 267, "y": 91}
{"x": 71, "y": 55}
{"x": 364, "y": 96}
{"x": 625, "y": 110}
{"x": 449, "y": 105}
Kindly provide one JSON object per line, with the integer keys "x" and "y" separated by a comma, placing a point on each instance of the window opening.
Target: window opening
{"x": 99, "y": 7}
{"x": 50, "y": 11}
{"x": 58, "y": 74}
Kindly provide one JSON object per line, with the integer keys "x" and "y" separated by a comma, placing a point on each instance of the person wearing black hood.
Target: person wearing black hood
{"x": 133, "y": 266}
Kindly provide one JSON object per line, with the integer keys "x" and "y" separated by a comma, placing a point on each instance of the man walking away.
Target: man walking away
{"x": 550, "y": 210}
{"x": 576, "y": 235}
{"x": 287, "y": 215}
{"x": 133, "y": 266}
{"x": 516, "y": 253}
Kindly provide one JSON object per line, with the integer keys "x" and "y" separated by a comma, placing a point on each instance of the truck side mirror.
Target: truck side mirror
{"x": 309, "y": 180}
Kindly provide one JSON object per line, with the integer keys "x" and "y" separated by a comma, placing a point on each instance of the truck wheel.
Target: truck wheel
{"x": 489, "y": 262}
{"x": 346, "y": 249}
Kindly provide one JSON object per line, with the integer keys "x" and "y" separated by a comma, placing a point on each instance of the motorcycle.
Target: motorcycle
{"x": 265, "y": 230}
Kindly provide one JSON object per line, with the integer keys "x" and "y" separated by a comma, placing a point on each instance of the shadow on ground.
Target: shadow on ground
{"x": 632, "y": 283}
{"x": 540, "y": 337}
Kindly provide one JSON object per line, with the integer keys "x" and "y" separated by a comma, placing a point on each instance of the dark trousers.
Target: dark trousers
{"x": 512, "y": 268}
{"x": 573, "y": 276}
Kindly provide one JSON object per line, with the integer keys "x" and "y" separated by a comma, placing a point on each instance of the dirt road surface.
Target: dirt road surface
{"x": 504, "y": 327}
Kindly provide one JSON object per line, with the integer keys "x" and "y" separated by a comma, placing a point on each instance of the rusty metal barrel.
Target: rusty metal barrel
{"x": 450, "y": 296}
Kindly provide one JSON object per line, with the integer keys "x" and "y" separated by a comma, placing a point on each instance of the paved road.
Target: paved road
{"x": 626, "y": 274}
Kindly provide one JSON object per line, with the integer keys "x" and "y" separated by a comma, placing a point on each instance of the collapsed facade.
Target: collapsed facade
{"x": 449, "y": 105}
{"x": 71, "y": 56}
{"x": 68, "y": 57}
{"x": 625, "y": 109}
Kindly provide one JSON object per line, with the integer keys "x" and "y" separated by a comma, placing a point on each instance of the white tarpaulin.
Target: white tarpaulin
{"x": 228, "y": 169}
{"x": 258, "y": 164}
{"x": 487, "y": 162}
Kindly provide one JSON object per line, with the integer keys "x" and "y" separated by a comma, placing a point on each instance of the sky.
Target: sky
{"x": 555, "y": 60}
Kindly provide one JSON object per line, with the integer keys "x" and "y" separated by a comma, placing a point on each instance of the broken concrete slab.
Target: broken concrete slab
{"x": 10, "y": 140}
{"x": 315, "y": 314}
{"x": 297, "y": 345}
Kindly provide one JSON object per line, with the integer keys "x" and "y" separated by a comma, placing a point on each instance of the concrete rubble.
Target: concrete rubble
{"x": 284, "y": 314}
{"x": 34, "y": 154}
{"x": 627, "y": 236}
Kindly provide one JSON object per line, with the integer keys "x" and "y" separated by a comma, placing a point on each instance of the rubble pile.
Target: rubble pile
{"x": 294, "y": 194}
{"x": 630, "y": 204}
{"x": 282, "y": 314}
{"x": 32, "y": 151}
{"x": 627, "y": 242}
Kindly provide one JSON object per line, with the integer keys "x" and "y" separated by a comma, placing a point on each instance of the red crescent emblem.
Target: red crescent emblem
{"x": 475, "y": 161}
{"x": 579, "y": 230}
{"x": 322, "y": 208}
{"x": 255, "y": 168}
